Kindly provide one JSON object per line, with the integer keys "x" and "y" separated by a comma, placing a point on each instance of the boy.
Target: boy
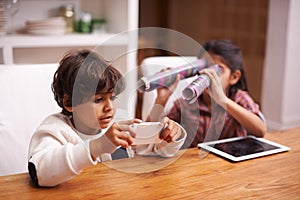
{"x": 84, "y": 133}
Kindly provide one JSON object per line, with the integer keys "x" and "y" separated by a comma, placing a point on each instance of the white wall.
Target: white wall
{"x": 281, "y": 81}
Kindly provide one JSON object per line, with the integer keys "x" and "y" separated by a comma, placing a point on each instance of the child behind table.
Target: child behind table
{"x": 234, "y": 109}
{"x": 84, "y": 132}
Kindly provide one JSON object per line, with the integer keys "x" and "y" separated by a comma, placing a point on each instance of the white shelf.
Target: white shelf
{"x": 121, "y": 15}
{"x": 75, "y": 39}
{"x": 10, "y": 42}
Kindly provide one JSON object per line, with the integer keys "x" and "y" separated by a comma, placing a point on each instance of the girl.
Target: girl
{"x": 236, "y": 114}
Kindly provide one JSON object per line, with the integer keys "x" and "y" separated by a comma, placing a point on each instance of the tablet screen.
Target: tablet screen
{"x": 243, "y": 148}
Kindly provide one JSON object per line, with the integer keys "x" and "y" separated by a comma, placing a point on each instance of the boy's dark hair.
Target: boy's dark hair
{"x": 82, "y": 74}
{"x": 231, "y": 55}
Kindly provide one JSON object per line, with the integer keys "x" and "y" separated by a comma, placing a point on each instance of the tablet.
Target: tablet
{"x": 243, "y": 148}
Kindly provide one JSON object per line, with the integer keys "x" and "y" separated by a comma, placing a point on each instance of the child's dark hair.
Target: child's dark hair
{"x": 82, "y": 74}
{"x": 231, "y": 55}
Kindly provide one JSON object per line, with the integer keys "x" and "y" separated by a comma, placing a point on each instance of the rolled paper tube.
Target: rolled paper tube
{"x": 166, "y": 78}
{"x": 196, "y": 88}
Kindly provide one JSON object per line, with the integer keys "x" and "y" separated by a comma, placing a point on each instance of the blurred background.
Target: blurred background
{"x": 266, "y": 31}
{"x": 243, "y": 22}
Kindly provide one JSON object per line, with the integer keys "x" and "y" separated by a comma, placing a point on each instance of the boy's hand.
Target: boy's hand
{"x": 170, "y": 132}
{"x": 121, "y": 133}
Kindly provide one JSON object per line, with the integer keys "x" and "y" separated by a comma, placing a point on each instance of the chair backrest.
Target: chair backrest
{"x": 153, "y": 65}
{"x": 26, "y": 99}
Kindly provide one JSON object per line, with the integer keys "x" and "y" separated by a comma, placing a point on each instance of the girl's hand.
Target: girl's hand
{"x": 170, "y": 132}
{"x": 216, "y": 90}
{"x": 121, "y": 133}
{"x": 164, "y": 93}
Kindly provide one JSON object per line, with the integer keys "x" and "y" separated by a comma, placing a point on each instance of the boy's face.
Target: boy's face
{"x": 95, "y": 113}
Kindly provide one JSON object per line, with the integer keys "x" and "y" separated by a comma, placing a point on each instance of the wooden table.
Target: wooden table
{"x": 185, "y": 177}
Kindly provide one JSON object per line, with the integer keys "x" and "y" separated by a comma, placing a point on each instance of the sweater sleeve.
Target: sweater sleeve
{"x": 54, "y": 158}
{"x": 163, "y": 148}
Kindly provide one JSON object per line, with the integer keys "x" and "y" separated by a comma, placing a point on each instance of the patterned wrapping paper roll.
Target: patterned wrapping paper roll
{"x": 166, "y": 78}
{"x": 195, "y": 88}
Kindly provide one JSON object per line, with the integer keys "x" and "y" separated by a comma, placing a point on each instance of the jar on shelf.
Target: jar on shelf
{"x": 99, "y": 26}
{"x": 85, "y": 23}
{"x": 67, "y": 11}
{"x": 3, "y": 21}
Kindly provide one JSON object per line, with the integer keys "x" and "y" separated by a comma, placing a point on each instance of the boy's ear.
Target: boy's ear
{"x": 66, "y": 103}
{"x": 235, "y": 77}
